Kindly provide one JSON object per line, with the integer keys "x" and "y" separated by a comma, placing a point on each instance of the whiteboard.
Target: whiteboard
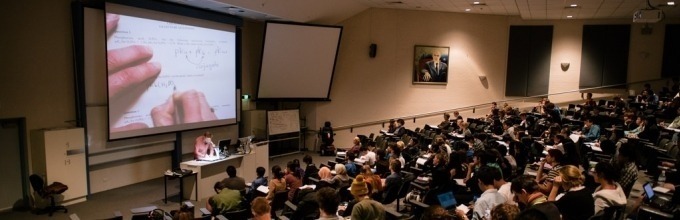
{"x": 285, "y": 121}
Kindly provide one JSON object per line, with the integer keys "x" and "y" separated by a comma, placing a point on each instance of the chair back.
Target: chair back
{"x": 37, "y": 183}
{"x": 279, "y": 200}
{"x": 610, "y": 213}
{"x": 345, "y": 194}
{"x": 238, "y": 214}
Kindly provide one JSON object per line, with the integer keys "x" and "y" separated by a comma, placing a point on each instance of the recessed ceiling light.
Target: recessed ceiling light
{"x": 475, "y": 3}
{"x": 467, "y": 9}
{"x": 573, "y": 5}
{"x": 670, "y": 3}
{"x": 569, "y": 16}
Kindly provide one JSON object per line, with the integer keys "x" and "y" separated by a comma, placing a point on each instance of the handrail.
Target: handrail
{"x": 434, "y": 113}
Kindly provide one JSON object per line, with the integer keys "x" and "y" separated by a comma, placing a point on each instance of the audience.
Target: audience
{"x": 367, "y": 155}
{"x": 609, "y": 193}
{"x": 328, "y": 204}
{"x": 504, "y": 212}
{"x": 325, "y": 177}
{"x": 382, "y": 165}
{"x": 234, "y": 182}
{"x": 341, "y": 179}
{"x": 553, "y": 159}
{"x": 226, "y": 200}
{"x": 576, "y": 203}
{"x": 490, "y": 197}
{"x": 372, "y": 179}
{"x": 293, "y": 180}
{"x": 277, "y": 183}
{"x": 261, "y": 180}
{"x": 261, "y": 209}
{"x": 393, "y": 180}
{"x": 530, "y": 197}
{"x": 350, "y": 166}
{"x": 365, "y": 208}
{"x": 625, "y": 164}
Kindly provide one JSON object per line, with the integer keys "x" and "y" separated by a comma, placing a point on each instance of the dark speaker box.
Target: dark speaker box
{"x": 373, "y": 50}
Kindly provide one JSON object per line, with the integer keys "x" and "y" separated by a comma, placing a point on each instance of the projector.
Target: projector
{"x": 648, "y": 16}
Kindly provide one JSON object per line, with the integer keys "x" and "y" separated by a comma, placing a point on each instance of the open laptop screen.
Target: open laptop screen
{"x": 649, "y": 192}
{"x": 446, "y": 200}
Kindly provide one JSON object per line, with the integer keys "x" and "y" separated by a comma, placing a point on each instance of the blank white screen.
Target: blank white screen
{"x": 298, "y": 61}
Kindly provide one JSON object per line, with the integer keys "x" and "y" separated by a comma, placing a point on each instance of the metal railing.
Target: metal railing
{"x": 488, "y": 104}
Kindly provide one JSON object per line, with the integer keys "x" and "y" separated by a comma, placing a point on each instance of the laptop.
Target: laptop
{"x": 224, "y": 145}
{"x": 447, "y": 200}
{"x": 654, "y": 200}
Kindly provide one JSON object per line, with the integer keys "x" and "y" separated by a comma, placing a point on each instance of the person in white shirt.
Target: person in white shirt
{"x": 367, "y": 155}
{"x": 503, "y": 186}
{"x": 489, "y": 199}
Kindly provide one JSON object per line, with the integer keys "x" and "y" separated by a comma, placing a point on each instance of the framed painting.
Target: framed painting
{"x": 430, "y": 65}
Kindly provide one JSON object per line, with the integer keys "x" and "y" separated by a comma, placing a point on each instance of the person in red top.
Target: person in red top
{"x": 204, "y": 146}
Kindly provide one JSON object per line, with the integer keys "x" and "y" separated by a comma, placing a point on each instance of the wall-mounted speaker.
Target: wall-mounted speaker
{"x": 373, "y": 50}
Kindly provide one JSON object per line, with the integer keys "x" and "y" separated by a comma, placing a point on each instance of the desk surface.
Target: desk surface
{"x": 199, "y": 163}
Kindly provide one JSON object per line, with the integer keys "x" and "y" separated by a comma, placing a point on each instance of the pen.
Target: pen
{"x": 177, "y": 109}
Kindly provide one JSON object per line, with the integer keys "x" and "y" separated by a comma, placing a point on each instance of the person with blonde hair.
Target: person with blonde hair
{"x": 374, "y": 180}
{"x": 341, "y": 178}
{"x": 577, "y": 202}
{"x": 261, "y": 209}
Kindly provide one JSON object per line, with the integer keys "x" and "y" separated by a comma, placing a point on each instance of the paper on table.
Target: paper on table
{"x": 421, "y": 161}
{"x": 661, "y": 189}
{"x": 574, "y": 137}
{"x": 463, "y": 208}
{"x": 460, "y": 182}
{"x": 308, "y": 187}
{"x": 263, "y": 189}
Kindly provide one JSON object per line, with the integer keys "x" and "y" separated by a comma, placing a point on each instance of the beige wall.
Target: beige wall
{"x": 368, "y": 89}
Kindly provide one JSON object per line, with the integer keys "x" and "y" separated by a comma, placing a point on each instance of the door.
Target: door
{"x": 14, "y": 181}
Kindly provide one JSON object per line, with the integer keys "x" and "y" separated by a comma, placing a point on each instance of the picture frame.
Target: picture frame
{"x": 425, "y": 69}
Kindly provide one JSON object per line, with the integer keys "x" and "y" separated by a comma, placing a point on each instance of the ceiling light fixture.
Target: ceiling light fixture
{"x": 573, "y": 5}
{"x": 569, "y": 16}
{"x": 670, "y": 3}
{"x": 475, "y": 3}
{"x": 467, "y": 9}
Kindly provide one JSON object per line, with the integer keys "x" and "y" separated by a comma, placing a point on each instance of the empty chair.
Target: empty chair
{"x": 48, "y": 192}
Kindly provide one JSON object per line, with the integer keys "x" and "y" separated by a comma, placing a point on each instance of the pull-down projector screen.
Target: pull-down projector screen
{"x": 298, "y": 61}
{"x": 167, "y": 72}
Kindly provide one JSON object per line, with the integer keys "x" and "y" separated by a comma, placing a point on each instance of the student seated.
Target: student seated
{"x": 277, "y": 183}
{"x": 534, "y": 202}
{"x": 226, "y": 200}
{"x": 365, "y": 208}
{"x": 293, "y": 180}
{"x": 261, "y": 180}
{"x": 261, "y": 209}
{"x": 234, "y": 182}
{"x": 328, "y": 204}
{"x": 577, "y": 202}
{"x": 609, "y": 193}
{"x": 341, "y": 179}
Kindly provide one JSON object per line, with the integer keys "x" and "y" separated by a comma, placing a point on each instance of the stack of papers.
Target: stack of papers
{"x": 341, "y": 153}
{"x": 421, "y": 161}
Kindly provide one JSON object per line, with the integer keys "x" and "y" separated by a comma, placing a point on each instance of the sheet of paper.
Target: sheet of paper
{"x": 661, "y": 189}
{"x": 574, "y": 137}
{"x": 460, "y": 182}
{"x": 263, "y": 189}
{"x": 421, "y": 161}
{"x": 463, "y": 208}
{"x": 190, "y": 58}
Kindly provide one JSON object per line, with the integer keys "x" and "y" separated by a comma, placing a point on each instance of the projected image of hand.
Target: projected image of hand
{"x": 183, "y": 107}
{"x": 130, "y": 74}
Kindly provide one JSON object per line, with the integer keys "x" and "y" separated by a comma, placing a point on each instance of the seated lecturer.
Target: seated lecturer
{"x": 204, "y": 146}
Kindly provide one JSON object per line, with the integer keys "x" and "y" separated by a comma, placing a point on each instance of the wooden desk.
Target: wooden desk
{"x": 210, "y": 172}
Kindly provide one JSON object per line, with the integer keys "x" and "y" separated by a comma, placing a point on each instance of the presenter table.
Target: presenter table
{"x": 210, "y": 172}
{"x": 181, "y": 185}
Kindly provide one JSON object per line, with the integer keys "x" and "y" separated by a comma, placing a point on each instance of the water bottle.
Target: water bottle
{"x": 662, "y": 178}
